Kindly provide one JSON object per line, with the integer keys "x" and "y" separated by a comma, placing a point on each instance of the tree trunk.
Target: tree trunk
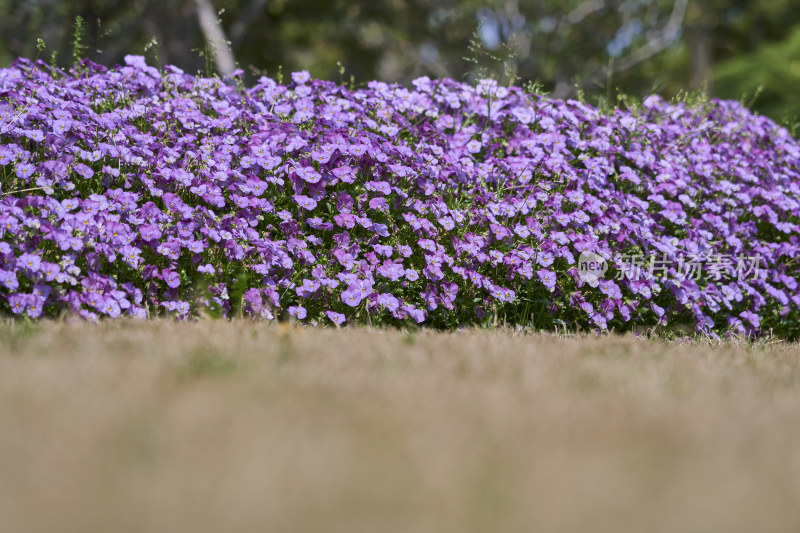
{"x": 215, "y": 37}
{"x": 699, "y": 40}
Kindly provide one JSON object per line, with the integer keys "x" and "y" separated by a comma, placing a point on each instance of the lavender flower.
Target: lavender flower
{"x": 165, "y": 201}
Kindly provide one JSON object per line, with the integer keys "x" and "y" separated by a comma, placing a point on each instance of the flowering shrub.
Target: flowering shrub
{"x": 133, "y": 192}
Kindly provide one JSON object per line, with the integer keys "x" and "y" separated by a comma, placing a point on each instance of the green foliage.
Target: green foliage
{"x": 152, "y": 44}
{"x": 78, "y": 45}
{"x": 770, "y": 74}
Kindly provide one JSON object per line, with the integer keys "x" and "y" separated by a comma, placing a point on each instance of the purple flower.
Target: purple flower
{"x": 381, "y": 230}
{"x": 18, "y": 302}
{"x": 297, "y": 311}
{"x": 447, "y": 223}
{"x": 110, "y": 307}
{"x": 61, "y": 127}
{"x": 474, "y": 146}
{"x": 417, "y": 314}
{"x": 9, "y": 280}
{"x": 301, "y": 77}
{"x": 381, "y": 187}
{"x": 305, "y": 202}
{"x": 182, "y": 309}
{"x": 545, "y": 259}
{"x": 25, "y": 171}
{"x": 6, "y": 156}
{"x": 206, "y": 269}
{"x": 388, "y": 301}
{"x": 308, "y": 288}
{"x": 336, "y": 318}
{"x": 346, "y": 174}
{"x": 29, "y": 262}
{"x": 384, "y": 250}
{"x": 312, "y": 187}
{"x": 427, "y": 244}
{"x": 84, "y": 171}
{"x": 171, "y": 278}
{"x": 658, "y": 310}
{"x": 547, "y": 277}
{"x": 751, "y": 317}
{"x": 35, "y": 306}
{"x": 150, "y": 232}
{"x": 377, "y": 203}
{"x": 449, "y": 291}
{"x": 42, "y": 291}
{"x": 352, "y": 296}
{"x": 610, "y": 289}
{"x": 309, "y": 175}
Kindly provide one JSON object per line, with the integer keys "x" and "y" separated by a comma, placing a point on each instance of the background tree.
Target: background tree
{"x": 728, "y": 47}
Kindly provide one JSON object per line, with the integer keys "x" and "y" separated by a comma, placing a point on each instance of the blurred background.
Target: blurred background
{"x": 737, "y": 49}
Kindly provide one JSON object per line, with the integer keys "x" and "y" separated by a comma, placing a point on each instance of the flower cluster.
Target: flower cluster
{"x": 132, "y": 192}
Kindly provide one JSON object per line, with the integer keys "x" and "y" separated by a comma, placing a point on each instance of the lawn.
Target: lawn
{"x": 246, "y": 426}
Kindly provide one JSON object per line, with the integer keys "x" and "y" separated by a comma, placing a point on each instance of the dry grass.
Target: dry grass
{"x": 228, "y": 427}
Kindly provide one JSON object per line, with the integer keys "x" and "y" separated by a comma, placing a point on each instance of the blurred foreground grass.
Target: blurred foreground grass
{"x": 238, "y": 426}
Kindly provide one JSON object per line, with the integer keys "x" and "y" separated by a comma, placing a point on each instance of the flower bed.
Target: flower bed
{"x": 132, "y": 192}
